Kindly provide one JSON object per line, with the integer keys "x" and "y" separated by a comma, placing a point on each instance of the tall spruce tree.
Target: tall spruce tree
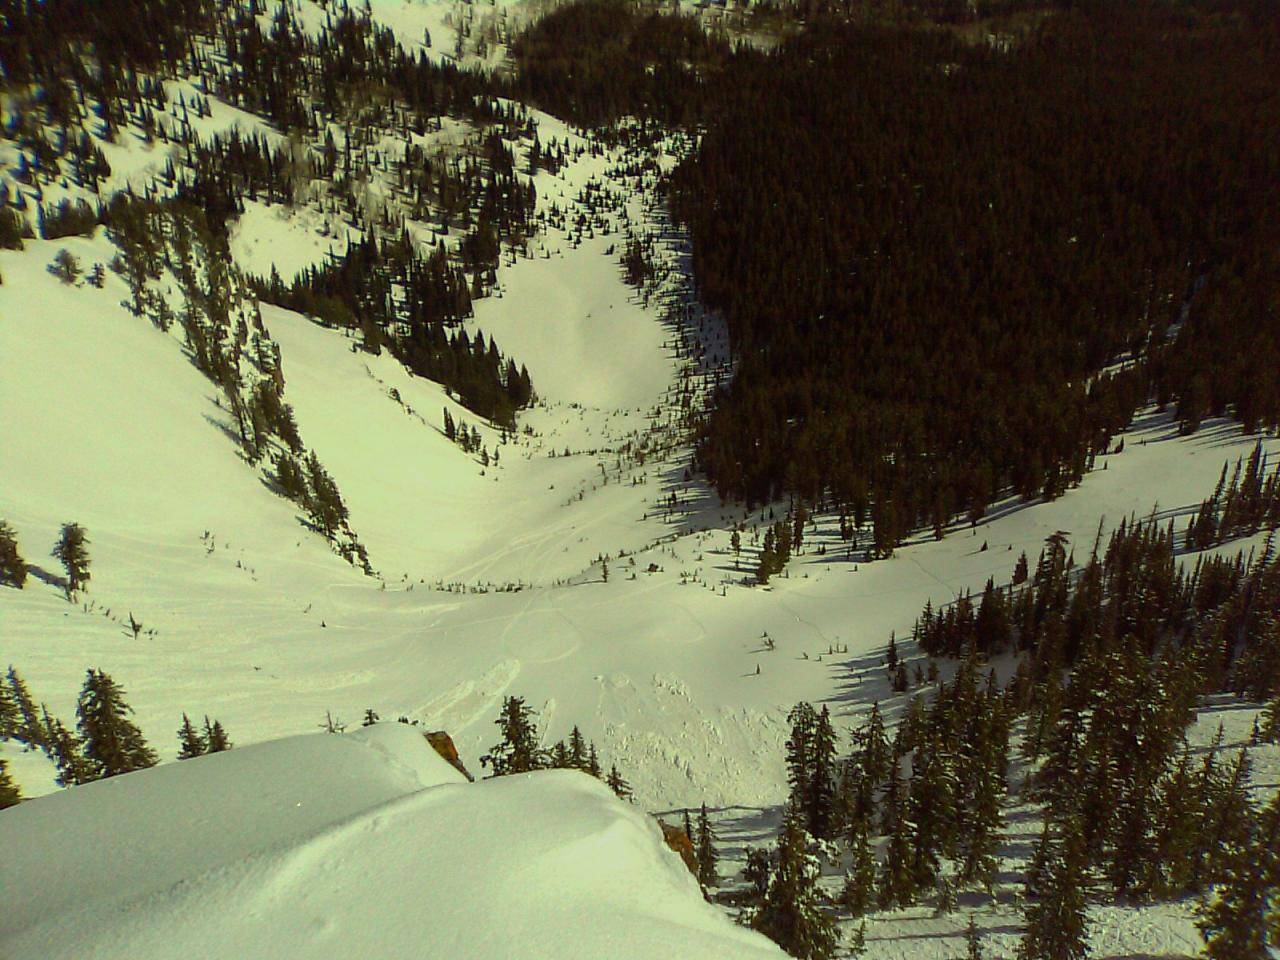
{"x": 73, "y": 553}
{"x": 972, "y": 940}
{"x": 215, "y": 738}
{"x": 68, "y": 756}
{"x": 876, "y": 752}
{"x": 800, "y": 754}
{"x": 859, "y": 891}
{"x": 615, "y": 782}
{"x": 9, "y": 717}
{"x": 1055, "y": 915}
{"x": 27, "y": 729}
{"x": 820, "y": 800}
{"x": 1269, "y": 728}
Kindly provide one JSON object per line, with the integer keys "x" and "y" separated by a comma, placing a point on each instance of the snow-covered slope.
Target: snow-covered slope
{"x": 333, "y": 846}
{"x": 259, "y": 624}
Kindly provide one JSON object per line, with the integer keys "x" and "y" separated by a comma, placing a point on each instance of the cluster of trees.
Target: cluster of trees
{"x": 598, "y": 61}
{"x": 921, "y": 298}
{"x": 1239, "y": 508}
{"x": 414, "y": 306}
{"x": 1113, "y": 658}
{"x": 520, "y": 750}
{"x": 468, "y": 436}
{"x": 1129, "y": 810}
{"x": 703, "y": 838}
{"x": 1134, "y": 593}
{"x": 195, "y": 742}
{"x": 71, "y": 550}
{"x": 105, "y": 743}
{"x": 353, "y": 74}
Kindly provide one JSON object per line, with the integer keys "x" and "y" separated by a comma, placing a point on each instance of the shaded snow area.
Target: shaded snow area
{"x": 362, "y": 844}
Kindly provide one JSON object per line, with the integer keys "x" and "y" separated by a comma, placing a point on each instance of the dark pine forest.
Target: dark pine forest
{"x": 952, "y": 271}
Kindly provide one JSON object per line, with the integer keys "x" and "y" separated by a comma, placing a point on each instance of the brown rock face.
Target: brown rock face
{"x": 679, "y": 841}
{"x": 443, "y": 745}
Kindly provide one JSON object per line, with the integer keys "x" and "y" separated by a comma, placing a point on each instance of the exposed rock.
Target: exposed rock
{"x": 443, "y": 744}
{"x": 679, "y": 841}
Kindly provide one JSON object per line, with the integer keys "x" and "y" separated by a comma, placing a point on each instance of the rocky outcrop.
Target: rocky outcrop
{"x": 679, "y": 841}
{"x": 443, "y": 745}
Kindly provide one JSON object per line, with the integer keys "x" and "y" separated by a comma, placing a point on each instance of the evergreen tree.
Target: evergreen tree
{"x": 71, "y": 551}
{"x": 215, "y": 737}
{"x": 875, "y": 747}
{"x": 897, "y": 886}
{"x": 757, "y": 870}
{"x": 112, "y": 744}
{"x": 820, "y": 799}
{"x": 706, "y": 851}
{"x": 1227, "y": 822}
{"x": 27, "y": 728}
{"x": 800, "y": 752}
{"x": 577, "y": 749}
{"x": 190, "y": 742}
{"x": 65, "y": 750}
{"x": 560, "y": 757}
{"x": 13, "y": 570}
{"x": 791, "y": 914}
{"x": 1243, "y": 912}
{"x": 9, "y": 794}
{"x": 811, "y": 764}
{"x": 518, "y": 751}
{"x": 972, "y": 940}
{"x": 617, "y": 784}
{"x": 327, "y": 508}
{"x": 858, "y": 943}
{"x": 1055, "y": 915}
{"x": 593, "y": 762}
{"x": 10, "y": 719}
{"x": 859, "y": 892}
{"x": 1270, "y": 728}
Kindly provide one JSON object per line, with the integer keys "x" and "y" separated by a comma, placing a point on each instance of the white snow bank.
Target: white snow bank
{"x": 364, "y": 844}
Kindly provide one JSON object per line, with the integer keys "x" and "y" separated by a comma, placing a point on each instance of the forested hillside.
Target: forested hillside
{"x": 952, "y": 270}
{"x": 352, "y": 119}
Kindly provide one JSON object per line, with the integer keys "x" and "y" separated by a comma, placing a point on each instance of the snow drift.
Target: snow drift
{"x": 364, "y": 844}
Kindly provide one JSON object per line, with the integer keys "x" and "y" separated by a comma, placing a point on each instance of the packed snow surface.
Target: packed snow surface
{"x": 363, "y": 844}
